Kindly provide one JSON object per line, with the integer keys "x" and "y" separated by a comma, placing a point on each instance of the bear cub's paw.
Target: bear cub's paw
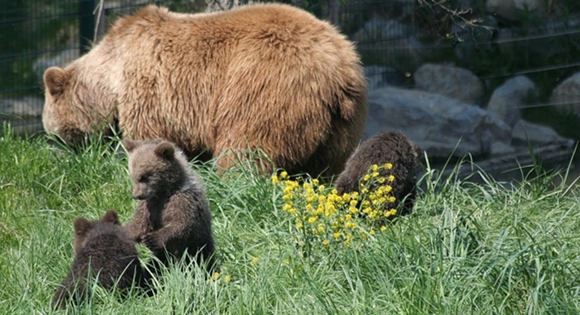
{"x": 150, "y": 241}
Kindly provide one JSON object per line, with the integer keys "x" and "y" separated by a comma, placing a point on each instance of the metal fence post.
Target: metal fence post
{"x": 87, "y": 23}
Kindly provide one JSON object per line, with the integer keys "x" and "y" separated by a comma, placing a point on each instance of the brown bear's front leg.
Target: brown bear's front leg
{"x": 151, "y": 240}
{"x": 139, "y": 226}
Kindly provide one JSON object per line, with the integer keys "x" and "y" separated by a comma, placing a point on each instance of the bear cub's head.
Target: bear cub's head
{"x": 158, "y": 168}
{"x": 83, "y": 228}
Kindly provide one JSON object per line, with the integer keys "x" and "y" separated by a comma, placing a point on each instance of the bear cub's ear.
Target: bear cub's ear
{"x": 55, "y": 80}
{"x": 130, "y": 145}
{"x": 165, "y": 150}
{"x": 82, "y": 226}
{"x": 111, "y": 216}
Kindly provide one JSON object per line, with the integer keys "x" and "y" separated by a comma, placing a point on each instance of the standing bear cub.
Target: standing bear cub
{"x": 105, "y": 252}
{"x": 265, "y": 76}
{"x": 173, "y": 216}
{"x": 385, "y": 147}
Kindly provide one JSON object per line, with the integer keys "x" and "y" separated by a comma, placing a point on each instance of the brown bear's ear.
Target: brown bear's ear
{"x": 130, "y": 145}
{"x": 165, "y": 150}
{"x": 111, "y": 216}
{"x": 55, "y": 79}
{"x": 82, "y": 226}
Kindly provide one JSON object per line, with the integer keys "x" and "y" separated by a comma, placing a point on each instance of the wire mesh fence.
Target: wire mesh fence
{"x": 394, "y": 38}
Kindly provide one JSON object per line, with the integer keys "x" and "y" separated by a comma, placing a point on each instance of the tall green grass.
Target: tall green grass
{"x": 468, "y": 248}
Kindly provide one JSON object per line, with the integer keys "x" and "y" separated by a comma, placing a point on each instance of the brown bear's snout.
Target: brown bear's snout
{"x": 139, "y": 197}
{"x": 139, "y": 193}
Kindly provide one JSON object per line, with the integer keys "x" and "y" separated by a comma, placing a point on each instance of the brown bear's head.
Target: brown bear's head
{"x": 157, "y": 168}
{"x": 76, "y": 104}
{"x": 83, "y": 227}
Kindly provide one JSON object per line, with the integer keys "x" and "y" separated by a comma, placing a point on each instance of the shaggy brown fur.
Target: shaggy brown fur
{"x": 266, "y": 76}
{"x": 103, "y": 250}
{"x": 386, "y": 147}
{"x": 173, "y": 215}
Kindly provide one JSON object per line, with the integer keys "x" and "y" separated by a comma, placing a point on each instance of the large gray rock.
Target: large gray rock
{"x": 526, "y": 132}
{"x": 440, "y": 125}
{"x": 24, "y": 115}
{"x": 455, "y": 82}
{"x": 507, "y": 99}
{"x": 26, "y": 107}
{"x": 566, "y": 96}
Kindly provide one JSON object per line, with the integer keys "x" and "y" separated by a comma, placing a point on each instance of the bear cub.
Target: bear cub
{"x": 172, "y": 215}
{"x": 385, "y": 147}
{"x": 103, "y": 252}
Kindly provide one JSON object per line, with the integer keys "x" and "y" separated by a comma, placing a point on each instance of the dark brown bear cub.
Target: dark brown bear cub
{"x": 173, "y": 215}
{"x": 386, "y": 147}
{"x": 103, "y": 252}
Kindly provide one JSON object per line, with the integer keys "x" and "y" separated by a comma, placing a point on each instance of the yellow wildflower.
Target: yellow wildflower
{"x": 347, "y": 240}
{"x": 346, "y": 197}
{"x": 330, "y": 207}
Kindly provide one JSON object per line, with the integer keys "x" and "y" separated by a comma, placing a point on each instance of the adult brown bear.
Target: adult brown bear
{"x": 266, "y": 76}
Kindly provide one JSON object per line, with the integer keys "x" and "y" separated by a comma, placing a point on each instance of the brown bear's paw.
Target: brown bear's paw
{"x": 150, "y": 241}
